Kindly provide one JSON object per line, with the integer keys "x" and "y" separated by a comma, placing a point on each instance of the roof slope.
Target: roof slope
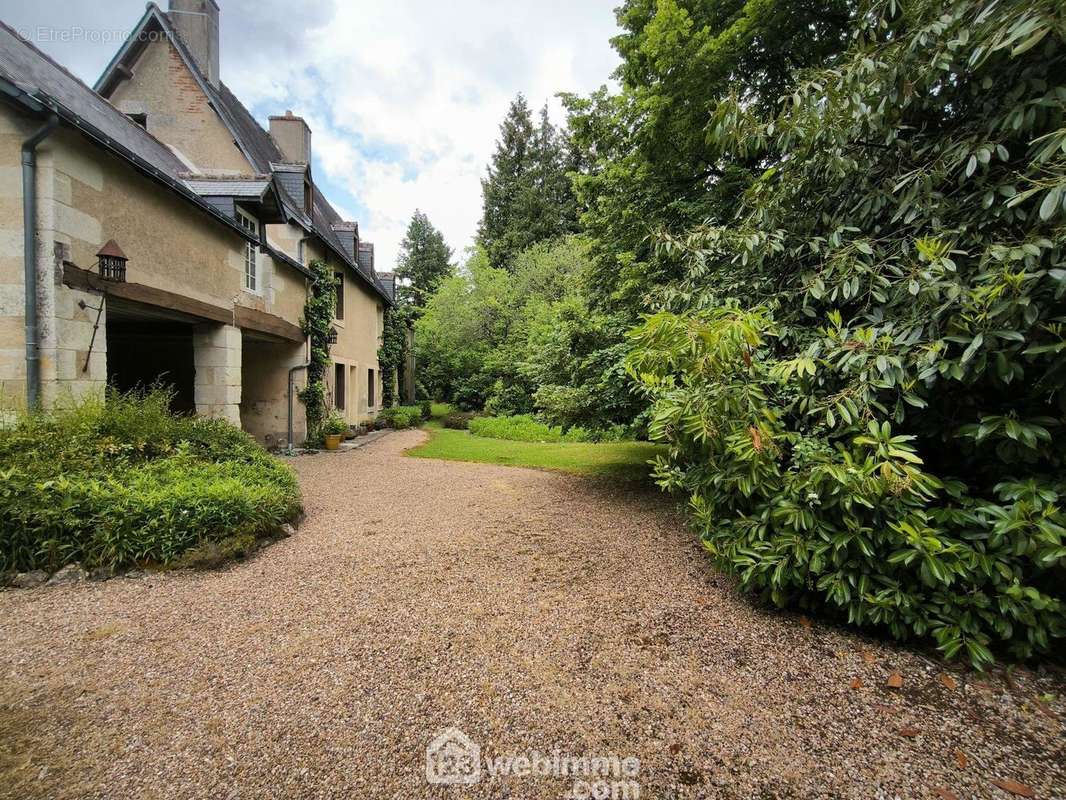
{"x": 31, "y": 78}
{"x": 251, "y": 138}
{"x": 262, "y": 151}
{"x": 22, "y": 64}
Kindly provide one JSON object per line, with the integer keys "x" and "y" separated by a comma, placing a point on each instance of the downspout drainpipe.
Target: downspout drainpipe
{"x": 29, "y": 255}
{"x": 292, "y": 371}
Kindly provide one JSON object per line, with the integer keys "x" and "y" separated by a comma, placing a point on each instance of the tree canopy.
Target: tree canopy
{"x": 424, "y": 261}
{"x": 651, "y": 164}
{"x": 526, "y": 193}
{"x": 863, "y": 374}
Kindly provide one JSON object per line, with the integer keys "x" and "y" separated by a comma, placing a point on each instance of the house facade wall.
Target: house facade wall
{"x": 178, "y": 111}
{"x": 358, "y": 340}
{"x": 86, "y": 197}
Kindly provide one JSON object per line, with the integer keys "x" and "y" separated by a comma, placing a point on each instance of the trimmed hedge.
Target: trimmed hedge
{"x": 400, "y": 417}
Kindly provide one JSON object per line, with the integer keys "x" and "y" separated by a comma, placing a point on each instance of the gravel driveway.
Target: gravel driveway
{"x": 538, "y": 613}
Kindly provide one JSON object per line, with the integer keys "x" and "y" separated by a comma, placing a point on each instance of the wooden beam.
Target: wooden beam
{"x": 78, "y": 278}
{"x": 270, "y": 324}
{"x": 248, "y": 318}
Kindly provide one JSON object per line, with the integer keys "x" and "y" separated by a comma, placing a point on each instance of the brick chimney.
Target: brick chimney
{"x": 196, "y": 22}
{"x": 292, "y": 136}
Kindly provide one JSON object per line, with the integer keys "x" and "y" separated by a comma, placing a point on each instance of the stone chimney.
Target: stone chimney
{"x": 196, "y": 22}
{"x": 292, "y": 136}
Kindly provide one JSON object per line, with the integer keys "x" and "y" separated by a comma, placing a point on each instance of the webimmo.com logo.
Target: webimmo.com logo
{"x": 453, "y": 758}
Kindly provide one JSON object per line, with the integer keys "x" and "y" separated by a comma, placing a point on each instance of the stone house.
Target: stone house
{"x": 216, "y": 217}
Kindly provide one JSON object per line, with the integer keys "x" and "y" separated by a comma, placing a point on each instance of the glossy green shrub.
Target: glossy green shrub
{"x": 862, "y": 377}
{"x": 124, "y": 482}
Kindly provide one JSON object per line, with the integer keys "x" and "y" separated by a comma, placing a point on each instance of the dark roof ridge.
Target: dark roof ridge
{"x": 221, "y": 98}
{"x": 133, "y": 125}
{"x": 244, "y": 176}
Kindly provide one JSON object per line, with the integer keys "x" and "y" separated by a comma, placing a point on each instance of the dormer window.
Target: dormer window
{"x": 251, "y": 251}
{"x": 307, "y": 196}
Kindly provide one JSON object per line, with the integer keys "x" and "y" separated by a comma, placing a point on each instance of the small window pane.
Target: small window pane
{"x": 249, "y": 266}
{"x": 251, "y": 256}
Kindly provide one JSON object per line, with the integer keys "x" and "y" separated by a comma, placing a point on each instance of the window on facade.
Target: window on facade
{"x": 338, "y": 386}
{"x": 338, "y": 281}
{"x": 371, "y": 400}
{"x": 251, "y": 255}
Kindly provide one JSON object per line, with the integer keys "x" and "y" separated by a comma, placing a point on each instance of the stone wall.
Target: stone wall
{"x": 265, "y": 392}
{"x": 178, "y": 111}
{"x": 87, "y": 196}
{"x": 217, "y": 358}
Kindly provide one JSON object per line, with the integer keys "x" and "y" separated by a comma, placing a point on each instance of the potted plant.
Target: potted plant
{"x": 333, "y": 429}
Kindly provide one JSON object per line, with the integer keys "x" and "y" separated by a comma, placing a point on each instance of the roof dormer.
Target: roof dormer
{"x": 348, "y": 234}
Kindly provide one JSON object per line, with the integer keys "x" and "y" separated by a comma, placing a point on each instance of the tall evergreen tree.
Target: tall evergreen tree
{"x": 424, "y": 261}
{"x": 652, "y": 167}
{"x": 526, "y": 193}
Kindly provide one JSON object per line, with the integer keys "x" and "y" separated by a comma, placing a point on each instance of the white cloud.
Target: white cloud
{"x": 404, "y": 98}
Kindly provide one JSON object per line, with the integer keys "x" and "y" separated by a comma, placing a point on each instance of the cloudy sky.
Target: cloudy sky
{"x": 404, "y": 97}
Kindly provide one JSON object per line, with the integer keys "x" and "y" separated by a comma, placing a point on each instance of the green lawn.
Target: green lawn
{"x": 626, "y": 460}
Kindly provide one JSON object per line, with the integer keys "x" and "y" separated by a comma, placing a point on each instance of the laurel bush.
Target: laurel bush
{"x": 862, "y": 377}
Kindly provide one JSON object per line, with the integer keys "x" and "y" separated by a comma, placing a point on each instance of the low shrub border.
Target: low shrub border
{"x": 124, "y": 482}
{"x": 526, "y": 428}
{"x": 401, "y": 417}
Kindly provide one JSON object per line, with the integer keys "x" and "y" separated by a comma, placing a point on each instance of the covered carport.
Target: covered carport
{"x": 148, "y": 347}
{"x": 232, "y": 363}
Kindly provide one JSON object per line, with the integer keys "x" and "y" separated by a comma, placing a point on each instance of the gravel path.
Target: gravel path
{"x": 535, "y": 612}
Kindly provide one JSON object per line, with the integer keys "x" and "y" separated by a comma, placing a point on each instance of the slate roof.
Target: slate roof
{"x": 230, "y": 188}
{"x": 251, "y": 138}
{"x": 24, "y": 65}
{"x": 265, "y": 156}
{"x": 30, "y": 77}
{"x": 388, "y": 282}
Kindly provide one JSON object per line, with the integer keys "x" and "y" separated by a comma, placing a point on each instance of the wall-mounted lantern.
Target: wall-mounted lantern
{"x": 332, "y": 338}
{"x": 112, "y": 262}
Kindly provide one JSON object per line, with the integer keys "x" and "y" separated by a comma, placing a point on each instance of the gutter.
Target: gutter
{"x": 29, "y": 256}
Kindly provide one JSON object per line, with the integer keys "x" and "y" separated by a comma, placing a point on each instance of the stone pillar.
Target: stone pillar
{"x": 217, "y": 358}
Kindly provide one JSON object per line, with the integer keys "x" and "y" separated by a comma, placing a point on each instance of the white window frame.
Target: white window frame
{"x": 251, "y": 251}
